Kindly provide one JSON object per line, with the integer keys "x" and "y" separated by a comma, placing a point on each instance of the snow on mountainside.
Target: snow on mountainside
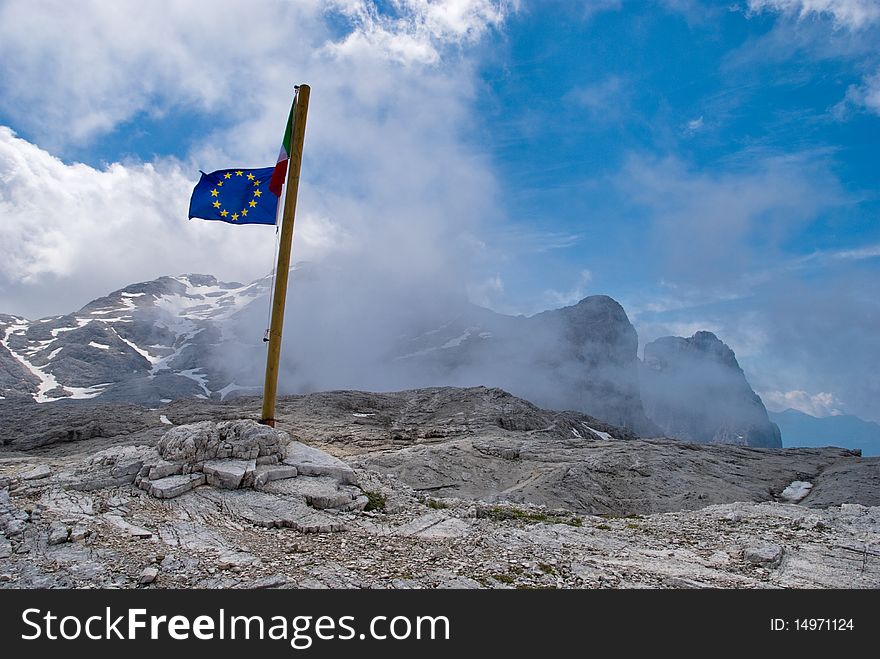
{"x": 146, "y": 342}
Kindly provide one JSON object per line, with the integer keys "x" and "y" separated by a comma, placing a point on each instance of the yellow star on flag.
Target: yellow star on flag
{"x": 239, "y": 172}
{"x": 250, "y": 177}
{"x": 227, "y": 175}
{"x": 235, "y": 216}
{"x": 224, "y": 213}
{"x": 214, "y": 192}
{"x": 252, "y": 203}
{"x": 216, "y": 204}
{"x": 258, "y": 193}
{"x": 244, "y": 212}
{"x": 219, "y": 184}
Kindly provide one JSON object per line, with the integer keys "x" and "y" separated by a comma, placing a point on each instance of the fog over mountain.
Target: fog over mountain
{"x": 192, "y": 336}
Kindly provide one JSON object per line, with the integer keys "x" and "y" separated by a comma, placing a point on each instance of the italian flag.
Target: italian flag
{"x": 277, "y": 182}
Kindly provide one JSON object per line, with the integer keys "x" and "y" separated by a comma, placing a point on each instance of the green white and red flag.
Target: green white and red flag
{"x": 278, "y": 176}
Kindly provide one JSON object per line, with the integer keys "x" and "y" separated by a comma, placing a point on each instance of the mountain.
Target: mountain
{"x": 799, "y": 429}
{"x": 192, "y": 336}
{"x": 582, "y": 357}
{"x": 694, "y": 389}
{"x": 148, "y": 342}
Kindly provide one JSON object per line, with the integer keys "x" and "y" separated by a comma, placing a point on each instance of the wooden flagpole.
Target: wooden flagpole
{"x": 270, "y": 388}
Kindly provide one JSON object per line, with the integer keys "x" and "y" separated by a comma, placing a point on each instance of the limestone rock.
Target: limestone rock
{"x": 5, "y": 547}
{"x": 58, "y": 533}
{"x": 148, "y": 576}
{"x": 695, "y": 390}
{"x": 765, "y": 555}
{"x": 40, "y": 471}
{"x": 310, "y": 461}
{"x": 173, "y": 486}
{"x": 243, "y": 439}
{"x": 227, "y": 474}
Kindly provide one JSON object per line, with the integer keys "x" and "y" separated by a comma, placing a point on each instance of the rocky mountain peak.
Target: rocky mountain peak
{"x": 694, "y": 389}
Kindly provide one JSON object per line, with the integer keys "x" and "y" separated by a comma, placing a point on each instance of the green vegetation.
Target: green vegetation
{"x": 375, "y": 501}
{"x": 500, "y": 514}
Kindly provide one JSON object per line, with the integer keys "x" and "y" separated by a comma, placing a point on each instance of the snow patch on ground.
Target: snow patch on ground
{"x": 796, "y": 491}
{"x": 164, "y": 419}
{"x": 200, "y": 379}
{"x": 101, "y": 346}
{"x": 598, "y": 433}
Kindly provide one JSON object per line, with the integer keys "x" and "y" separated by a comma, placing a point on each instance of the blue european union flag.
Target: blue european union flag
{"x": 237, "y": 196}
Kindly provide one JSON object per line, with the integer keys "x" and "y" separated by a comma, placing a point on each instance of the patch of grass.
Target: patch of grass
{"x": 375, "y": 501}
{"x": 503, "y": 578}
{"x": 603, "y": 527}
{"x": 501, "y": 514}
{"x": 630, "y": 525}
{"x": 436, "y": 505}
{"x": 546, "y": 568}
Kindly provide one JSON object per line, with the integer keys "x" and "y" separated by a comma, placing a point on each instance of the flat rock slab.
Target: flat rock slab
{"x": 265, "y": 474}
{"x": 264, "y": 509}
{"x": 320, "y": 492}
{"x": 228, "y": 474}
{"x": 173, "y": 486}
{"x": 38, "y": 472}
{"x": 131, "y": 529}
{"x": 434, "y": 526}
{"x": 310, "y": 461}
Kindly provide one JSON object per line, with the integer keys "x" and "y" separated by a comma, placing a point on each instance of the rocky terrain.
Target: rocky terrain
{"x": 191, "y": 336}
{"x": 437, "y": 487}
{"x": 695, "y": 390}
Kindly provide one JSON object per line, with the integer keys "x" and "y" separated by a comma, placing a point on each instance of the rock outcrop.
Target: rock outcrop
{"x": 695, "y": 390}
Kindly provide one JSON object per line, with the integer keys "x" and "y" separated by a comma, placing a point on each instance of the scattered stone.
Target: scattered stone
{"x": 273, "y": 581}
{"x": 5, "y": 546}
{"x": 58, "y": 533}
{"x": 80, "y": 532}
{"x": 38, "y": 472}
{"x": 148, "y": 576}
{"x": 767, "y": 555}
{"x": 310, "y": 461}
{"x": 130, "y": 529}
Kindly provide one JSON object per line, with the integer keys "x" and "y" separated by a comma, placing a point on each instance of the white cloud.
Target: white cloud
{"x": 853, "y": 14}
{"x": 694, "y": 125}
{"x": 388, "y": 184}
{"x": 575, "y": 294}
{"x": 819, "y": 405}
{"x": 866, "y": 95}
{"x": 420, "y": 29}
{"x": 72, "y": 232}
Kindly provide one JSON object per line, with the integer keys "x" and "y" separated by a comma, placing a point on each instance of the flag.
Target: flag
{"x": 237, "y": 196}
{"x": 280, "y": 172}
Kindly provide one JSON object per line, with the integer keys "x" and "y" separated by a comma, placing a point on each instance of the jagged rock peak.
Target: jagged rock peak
{"x": 694, "y": 389}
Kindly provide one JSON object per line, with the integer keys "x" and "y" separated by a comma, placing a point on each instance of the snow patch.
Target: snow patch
{"x": 797, "y": 491}
{"x": 598, "y": 433}
{"x": 97, "y": 345}
{"x": 362, "y": 415}
{"x": 201, "y": 380}
{"x": 81, "y": 393}
{"x": 164, "y": 419}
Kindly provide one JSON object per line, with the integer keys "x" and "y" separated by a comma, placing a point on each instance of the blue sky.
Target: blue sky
{"x": 710, "y": 165}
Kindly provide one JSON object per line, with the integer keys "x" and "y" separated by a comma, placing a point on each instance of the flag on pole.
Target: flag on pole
{"x": 237, "y": 196}
{"x": 278, "y": 175}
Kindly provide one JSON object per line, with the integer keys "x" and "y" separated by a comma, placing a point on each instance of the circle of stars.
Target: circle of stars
{"x": 251, "y": 204}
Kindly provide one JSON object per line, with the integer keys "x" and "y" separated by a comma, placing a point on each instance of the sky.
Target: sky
{"x": 710, "y": 165}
